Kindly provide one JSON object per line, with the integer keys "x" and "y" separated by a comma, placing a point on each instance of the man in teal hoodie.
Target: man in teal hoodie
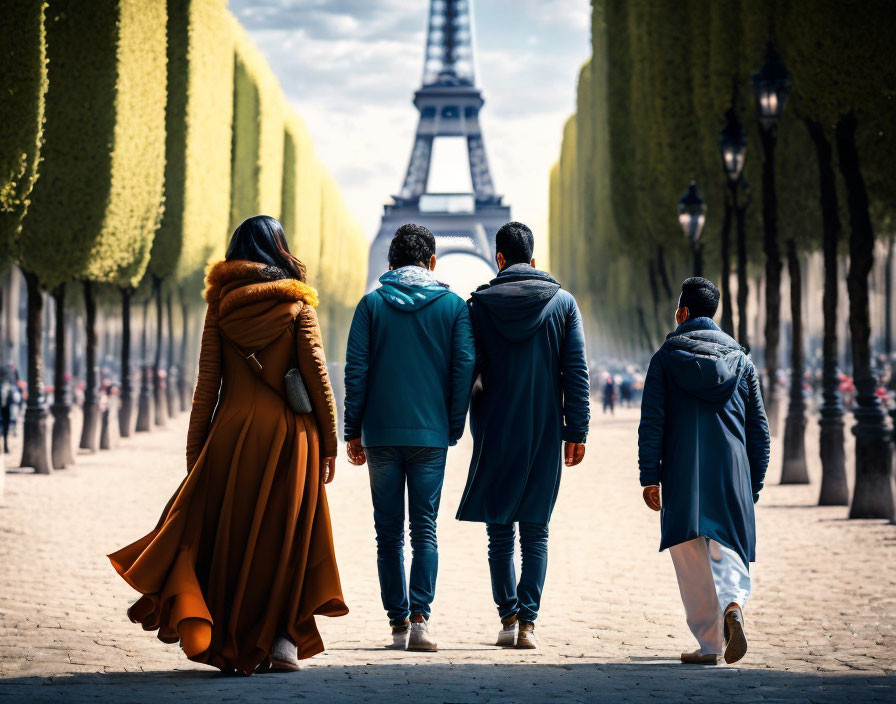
{"x": 408, "y": 375}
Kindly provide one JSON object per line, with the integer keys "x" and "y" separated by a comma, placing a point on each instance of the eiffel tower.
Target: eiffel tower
{"x": 449, "y": 102}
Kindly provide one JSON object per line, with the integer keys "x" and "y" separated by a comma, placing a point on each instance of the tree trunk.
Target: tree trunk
{"x": 873, "y": 493}
{"x": 144, "y": 403}
{"x": 727, "y": 309}
{"x": 90, "y": 428}
{"x": 794, "y": 470}
{"x": 160, "y": 401}
{"x": 772, "y": 277}
{"x": 34, "y": 450}
{"x": 743, "y": 287}
{"x": 644, "y": 331}
{"x": 127, "y": 390}
{"x": 184, "y": 341}
{"x": 888, "y": 301}
{"x": 834, "y": 488}
{"x": 661, "y": 270}
{"x": 171, "y": 385}
{"x": 654, "y": 297}
{"x": 61, "y": 451}
{"x": 698, "y": 259}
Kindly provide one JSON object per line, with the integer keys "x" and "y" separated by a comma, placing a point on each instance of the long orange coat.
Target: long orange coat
{"x": 243, "y": 551}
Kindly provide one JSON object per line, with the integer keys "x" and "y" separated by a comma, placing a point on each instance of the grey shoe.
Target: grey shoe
{"x": 420, "y": 637}
{"x": 283, "y": 655}
{"x": 525, "y": 638}
{"x": 400, "y": 635}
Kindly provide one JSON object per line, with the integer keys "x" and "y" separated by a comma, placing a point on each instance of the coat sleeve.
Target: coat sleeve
{"x": 357, "y": 355}
{"x": 313, "y": 366}
{"x": 208, "y": 386}
{"x": 650, "y": 430}
{"x": 463, "y": 362}
{"x": 574, "y": 378}
{"x": 757, "y": 434}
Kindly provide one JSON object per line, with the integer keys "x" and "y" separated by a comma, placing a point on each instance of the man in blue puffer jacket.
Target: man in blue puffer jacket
{"x": 704, "y": 439}
{"x": 408, "y": 375}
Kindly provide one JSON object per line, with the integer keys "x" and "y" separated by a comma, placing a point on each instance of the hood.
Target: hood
{"x": 704, "y": 361}
{"x": 254, "y": 302}
{"x": 410, "y": 288}
{"x": 516, "y": 300}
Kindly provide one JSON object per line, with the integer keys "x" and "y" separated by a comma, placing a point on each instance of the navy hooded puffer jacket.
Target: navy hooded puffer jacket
{"x": 704, "y": 437}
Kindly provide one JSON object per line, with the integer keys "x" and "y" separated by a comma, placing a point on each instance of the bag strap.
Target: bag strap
{"x": 255, "y": 364}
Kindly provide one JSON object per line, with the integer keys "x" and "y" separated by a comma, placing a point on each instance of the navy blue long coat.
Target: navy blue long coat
{"x": 704, "y": 437}
{"x": 531, "y": 394}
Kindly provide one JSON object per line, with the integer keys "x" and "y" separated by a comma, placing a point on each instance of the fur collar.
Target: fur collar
{"x": 231, "y": 284}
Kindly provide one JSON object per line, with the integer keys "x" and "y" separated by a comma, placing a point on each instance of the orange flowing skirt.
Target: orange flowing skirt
{"x": 243, "y": 551}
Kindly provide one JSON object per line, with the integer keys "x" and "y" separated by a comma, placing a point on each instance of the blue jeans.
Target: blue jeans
{"x": 522, "y": 599}
{"x": 423, "y": 468}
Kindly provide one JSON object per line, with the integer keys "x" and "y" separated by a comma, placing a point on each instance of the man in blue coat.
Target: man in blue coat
{"x": 703, "y": 443}
{"x": 530, "y": 396}
{"x": 408, "y": 373}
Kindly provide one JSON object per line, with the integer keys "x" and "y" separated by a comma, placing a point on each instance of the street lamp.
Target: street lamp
{"x": 770, "y": 86}
{"x": 733, "y": 146}
{"x": 692, "y": 217}
{"x": 771, "y": 83}
{"x": 733, "y": 150}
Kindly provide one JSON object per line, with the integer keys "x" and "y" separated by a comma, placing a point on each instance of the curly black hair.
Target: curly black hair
{"x": 412, "y": 244}
{"x": 515, "y": 242}
{"x": 700, "y": 296}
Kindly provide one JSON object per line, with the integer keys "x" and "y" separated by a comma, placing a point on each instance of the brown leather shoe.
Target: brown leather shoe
{"x": 525, "y": 637}
{"x": 735, "y": 638}
{"x": 698, "y": 658}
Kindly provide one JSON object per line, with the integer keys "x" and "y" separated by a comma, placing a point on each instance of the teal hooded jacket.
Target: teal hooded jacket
{"x": 409, "y": 363}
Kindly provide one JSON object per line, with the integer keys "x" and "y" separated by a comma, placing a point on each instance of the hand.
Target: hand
{"x": 574, "y": 453}
{"x": 652, "y": 497}
{"x": 355, "y": 450}
{"x": 328, "y": 469}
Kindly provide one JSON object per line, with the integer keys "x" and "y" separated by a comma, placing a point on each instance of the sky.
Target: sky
{"x": 350, "y": 68}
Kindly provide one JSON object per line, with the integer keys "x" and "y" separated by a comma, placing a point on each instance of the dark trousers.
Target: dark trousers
{"x": 423, "y": 470}
{"x": 523, "y": 598}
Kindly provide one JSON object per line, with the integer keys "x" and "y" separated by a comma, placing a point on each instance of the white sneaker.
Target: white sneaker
{"x": 507, "y": 636}
{"x": 399, "y": 637}
{"x": 283, "y": 655}
{"x": 420, "y": 637}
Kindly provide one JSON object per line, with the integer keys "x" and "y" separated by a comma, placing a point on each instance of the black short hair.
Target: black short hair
{"x": 515, "y": 242}
{"x": 700, "y": 296}
{"x": 412, "y": 244}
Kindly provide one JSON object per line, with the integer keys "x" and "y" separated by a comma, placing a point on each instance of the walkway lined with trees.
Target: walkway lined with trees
{"x": 135, "y": 137}
{"x": 780, "y": 115}
{"x": 611, "y": 625}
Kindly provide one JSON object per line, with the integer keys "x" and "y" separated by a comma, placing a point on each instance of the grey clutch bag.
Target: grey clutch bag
{"x": 296, "y": 393}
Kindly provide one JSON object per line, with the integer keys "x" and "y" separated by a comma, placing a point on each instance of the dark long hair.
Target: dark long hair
{"x": 260, "y": 239}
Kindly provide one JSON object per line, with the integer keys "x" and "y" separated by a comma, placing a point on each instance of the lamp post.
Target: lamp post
{"x": 733, "y": 150}
{"x": 692, "y": 217}
{"x": 770, "y": 86}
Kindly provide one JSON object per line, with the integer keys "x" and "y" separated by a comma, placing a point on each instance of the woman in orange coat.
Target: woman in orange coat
{"x": 242, "y": 558}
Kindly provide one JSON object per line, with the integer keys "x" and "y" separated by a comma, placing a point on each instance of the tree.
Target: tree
{"x": 23, "y": 67}
{"x": 257, "y": 152}
{"x": 93, "y": 190}
{"x": 301, "y": 195}
{"x": 841, "y": 79}
{"x": 198, "y": 120}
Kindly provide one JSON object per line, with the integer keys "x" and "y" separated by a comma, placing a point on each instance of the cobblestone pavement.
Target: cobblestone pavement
{"x": 821, "y": 620}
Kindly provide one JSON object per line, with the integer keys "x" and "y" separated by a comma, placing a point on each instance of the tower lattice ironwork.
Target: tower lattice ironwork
{"x": 449, "y": 102}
